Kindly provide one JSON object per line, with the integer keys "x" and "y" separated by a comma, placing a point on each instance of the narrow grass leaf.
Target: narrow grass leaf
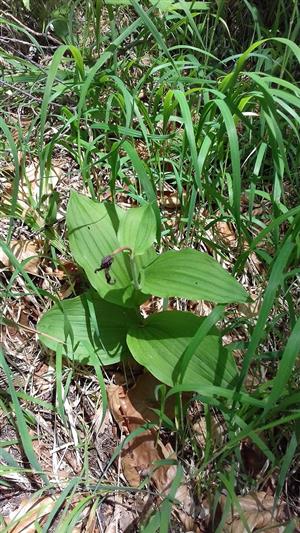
{"x": 204, "y": 329}
{"x": 285, "y": 465}
{"x": 21, "y": 423}
{"x": 276, "y": 279}
{"x": 16, "y": 179}
{"x": 286, "y": 366}
{"x": 60, "y": 502}
{"x": 152, "y": 29}
{"x": 235, "y": 158}
{"x": 167, "y": 504}
{"x": 189, "y": 130}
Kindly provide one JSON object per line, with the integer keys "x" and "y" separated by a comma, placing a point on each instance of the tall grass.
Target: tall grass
{"x": 146, "y": 99}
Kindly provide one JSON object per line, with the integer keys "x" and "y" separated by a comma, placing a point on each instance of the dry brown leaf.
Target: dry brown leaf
{"x": 169, "y": 200}
{"x": 142, "y": 150}
{"x": 142, "y": 397}
{"x": 216, "y": 434}
{"x": 202, "y": 308}
{"x": 23, "y": 250}
{"x": 64, "y": 270}
{"x": 252, "y": 308}
{"x": 91, "y": 525}
{"x": 225, "y": 233}
{"x": 257, "y": 509}
{"x": 29, "y": 186}
{"x": 30, "y": 511}
{"x": 255, "y": 264}
{"x": 142, "y": 451}
{"x": 253, "y": 458}
{"x": 140, "y": 454}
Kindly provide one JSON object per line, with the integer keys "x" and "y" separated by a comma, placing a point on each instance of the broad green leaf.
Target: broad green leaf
{"x": 138, "y": 229}
{"x": 159, "y": 342}
{"x": 145, "y": 181}
{"x": 92, "y": 229}
{"x": 193, "y": 275}
{"x": 88, "y": 324}
{"x": 144, "y": 260}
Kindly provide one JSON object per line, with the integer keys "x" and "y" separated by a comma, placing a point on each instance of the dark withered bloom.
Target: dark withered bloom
{"x": 105, "y": 263}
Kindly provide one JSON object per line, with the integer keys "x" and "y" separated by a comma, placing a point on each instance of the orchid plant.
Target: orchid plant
{"x": 116, "y": 250}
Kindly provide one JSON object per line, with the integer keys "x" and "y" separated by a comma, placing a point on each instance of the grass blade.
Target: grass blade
{"x": 21, "y": 423}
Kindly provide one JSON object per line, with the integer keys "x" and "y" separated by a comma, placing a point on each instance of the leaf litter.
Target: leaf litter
{"x": 30, "y": 512}
{"x": 27, "y": 251}
{"x": 257, "y": 512}
{"x": 141, "y": 453}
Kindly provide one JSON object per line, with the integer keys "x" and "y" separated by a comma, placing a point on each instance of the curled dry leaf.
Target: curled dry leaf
{"x": 216, "y": 433}
{"x": 30, "y": 184}
{"x": 141, "y": 453}
{"x": 169, "y": 199}
{"x": 251, "y": 309}
{"x": 253, "y": 458}
{"x": 225, "y": 233}
{"x": 32, "y": 510}
{"x": 142, "y": 397}
{"x": 257, "y": 511}
{"x": 29, "y": 187}
{"x": 23, "y": 250}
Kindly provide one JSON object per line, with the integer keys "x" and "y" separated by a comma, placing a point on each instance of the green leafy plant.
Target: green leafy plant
{"x": 116, "y": 250}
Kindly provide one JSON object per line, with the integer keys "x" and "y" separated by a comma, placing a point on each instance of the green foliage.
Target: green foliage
{"x": 191, "y": 274}
{"x": 197, "y": 101}
{"x": 88, "y": 324}
{"x": 138, "y": 229}
{"x": 106, "y": 238}
{"x": 159, "y": 343}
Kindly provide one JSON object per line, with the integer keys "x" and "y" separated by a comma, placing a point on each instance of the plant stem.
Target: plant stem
{"x": 134, "y": 272}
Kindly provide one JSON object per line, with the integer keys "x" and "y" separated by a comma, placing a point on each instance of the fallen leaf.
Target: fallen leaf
{"x": 201, "y": 308}
{"x": 140, "y": 454}
{"x": 23, "y": 519}
{"x": 29, "y": 185}
{"x": 142, "y": 150}
{"x": 216, "y": 433}
{"x": 253, "y": 458}
{"x": 91, "y": 524}
{"x": 252, "y": 308}
{"x": 23, "y": 250}
{"x": 142, "y": 397}
{"x": 224, "y": 231}
{"x": 254, "y": 264}
{"x": 169, "y": 200}
{"x": 257, "y": 511}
